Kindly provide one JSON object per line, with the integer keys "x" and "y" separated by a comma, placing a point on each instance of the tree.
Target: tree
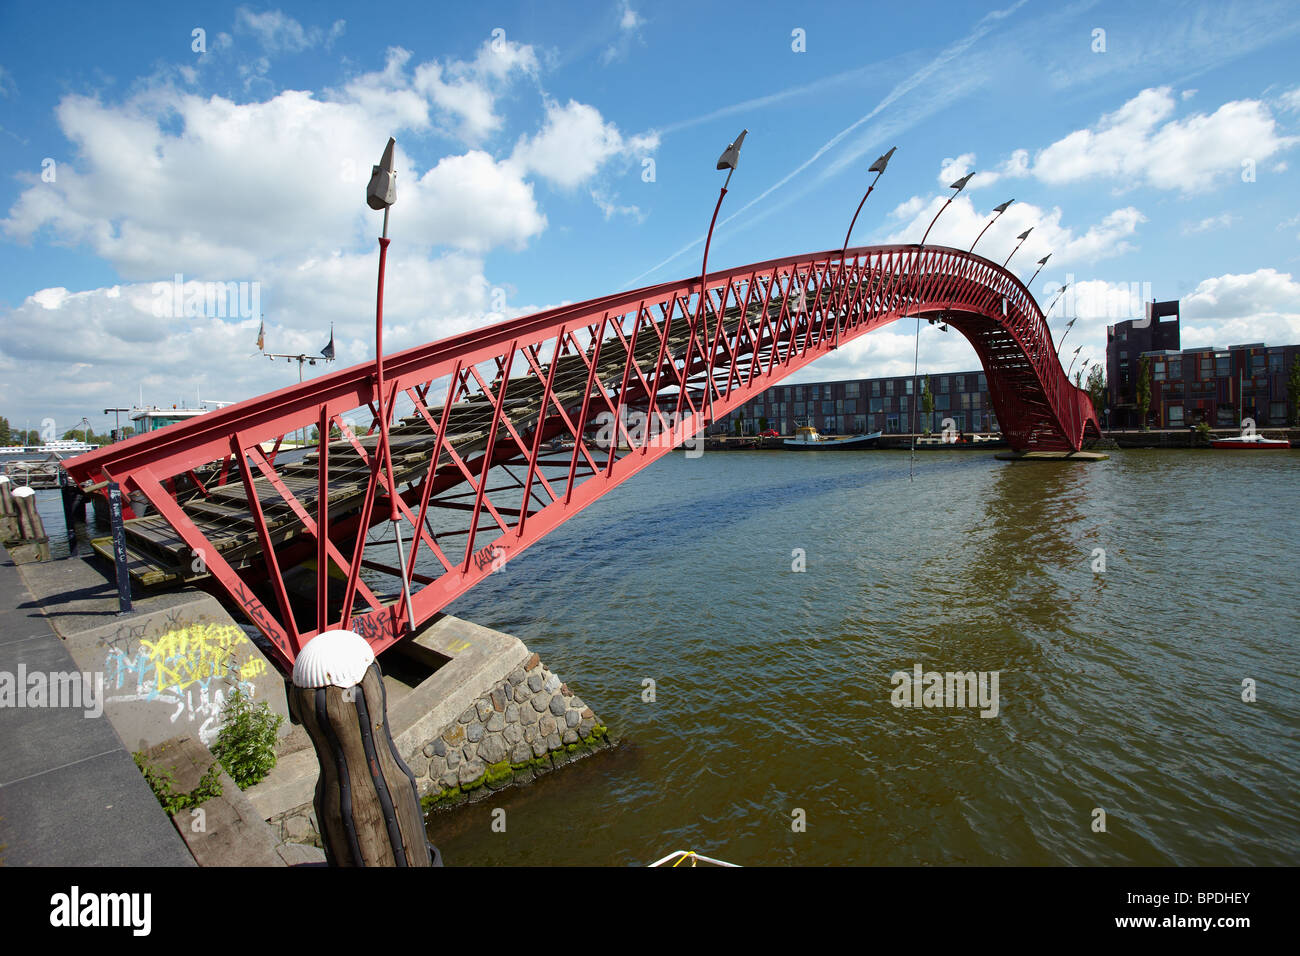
{"x": 1293, "y": 393}
{"x": 4, "y": 430}
{"x": 927, "y": 404}
{"x": 1143, "y": 390}
{"x": 335, "y": 433}
{"x": 1096, "y": 388}
{"x": 762, "y": 424}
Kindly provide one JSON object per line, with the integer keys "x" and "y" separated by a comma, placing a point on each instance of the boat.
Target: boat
{"x": 678, "y": 857}
{"x": 806, "y": 438}
{"x": 961, "y": 441}
{"x": 1252, "y": 442}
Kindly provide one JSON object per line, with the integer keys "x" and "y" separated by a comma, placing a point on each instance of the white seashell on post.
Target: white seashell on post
{"x": 333, "y": 659}
{"x": 23, "y": 492}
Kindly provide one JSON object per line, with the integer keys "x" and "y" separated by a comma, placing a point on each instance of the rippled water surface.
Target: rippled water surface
{"x": 1118, "y": 690}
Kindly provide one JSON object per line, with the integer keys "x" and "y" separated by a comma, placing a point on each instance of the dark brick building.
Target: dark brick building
{"x": 861, "y": 405}
{"x": 1214, "y": 385}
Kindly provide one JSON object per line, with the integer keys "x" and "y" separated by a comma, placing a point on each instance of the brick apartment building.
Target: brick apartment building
{"x": 862, "y": 405}
{"x": 1219, "y": 386}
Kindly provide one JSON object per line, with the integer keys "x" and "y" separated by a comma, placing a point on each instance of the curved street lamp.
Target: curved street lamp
{"x": 729, "y": 160}
{"x": 1022, "y": 237}
{"x": 1041, "y": 262}
{"x": 958, "y": 186}
{"x": 998, "y": 211}
{"x": 878, "y": 167}
{"x": 381, "y": 193}
{"x": 1068, "y": 325}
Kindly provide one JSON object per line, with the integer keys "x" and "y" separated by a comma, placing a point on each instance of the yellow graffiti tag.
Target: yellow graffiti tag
{"x": 198, "y": 653}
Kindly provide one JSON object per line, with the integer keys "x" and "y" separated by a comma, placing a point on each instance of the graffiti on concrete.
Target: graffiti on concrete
{"x": 191, "y": 667}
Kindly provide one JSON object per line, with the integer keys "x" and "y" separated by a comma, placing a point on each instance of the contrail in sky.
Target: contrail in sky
{"x": 985, "y": 24}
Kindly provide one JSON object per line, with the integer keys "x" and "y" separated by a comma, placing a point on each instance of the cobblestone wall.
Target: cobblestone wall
{"x": 523, "y": 725}
{"x": 527, "y": 723}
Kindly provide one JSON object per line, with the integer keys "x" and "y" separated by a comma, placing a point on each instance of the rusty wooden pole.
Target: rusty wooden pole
{"x": 367, "y": 804}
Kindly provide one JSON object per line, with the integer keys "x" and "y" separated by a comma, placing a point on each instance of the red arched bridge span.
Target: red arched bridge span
{"x": 502, "y": 433}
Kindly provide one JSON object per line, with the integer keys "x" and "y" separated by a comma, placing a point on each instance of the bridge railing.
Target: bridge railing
{"x": 502, "y": 433}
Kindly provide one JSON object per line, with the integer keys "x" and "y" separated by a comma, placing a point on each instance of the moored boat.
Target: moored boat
{"x": 807, "y": 438}
{"x": 1252, "y": 442}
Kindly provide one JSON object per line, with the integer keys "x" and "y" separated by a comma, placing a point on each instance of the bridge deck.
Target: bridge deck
{"x": 509, "y": 430}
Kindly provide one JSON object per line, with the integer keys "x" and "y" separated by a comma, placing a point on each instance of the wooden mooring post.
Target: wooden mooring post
{"x": 8, "y": 512}
{"x": 34, "y": 545}
{"x": 367, "y": 805}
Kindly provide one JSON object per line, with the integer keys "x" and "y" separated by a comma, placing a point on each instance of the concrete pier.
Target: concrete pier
{"x": 1051, "y": 456}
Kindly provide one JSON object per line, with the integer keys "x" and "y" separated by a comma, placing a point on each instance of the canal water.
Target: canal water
{"x": 1120, "y": 675}
{"x": 1121, "y": 671}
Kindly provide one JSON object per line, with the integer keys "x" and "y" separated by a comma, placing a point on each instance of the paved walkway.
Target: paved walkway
{"x": 70, "y": 794}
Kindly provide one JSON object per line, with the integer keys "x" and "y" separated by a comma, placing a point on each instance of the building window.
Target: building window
{"x": 1175, "y": 368}
{"x": 907, "y": 387}
{"x": 851, "y": 390}
{"x": 875, "y": 388}
{"x": 798, "y": 410}
{"x": 1275, "y": 361}
{"x": 889, "y": 387}
{"x": 1222, "y": 366}
{"x": 1158, "y": 372}
{"x": 1175, "y": 416}
{"x": 877, "y": 404}
{"x": 798, "y": 397}
{"x": 1277, "y": 412}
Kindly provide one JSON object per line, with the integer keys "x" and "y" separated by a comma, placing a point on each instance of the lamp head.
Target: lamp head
{"x": 1002, "y": 207}
{"x": 730, "y": 157}
{"x": 1043, "y": 261}
{"x": 1025, "y": 235}
{"x": 960, "y": 184}
{"x": 382, "y": 190}
{"x": 881, "y": 162}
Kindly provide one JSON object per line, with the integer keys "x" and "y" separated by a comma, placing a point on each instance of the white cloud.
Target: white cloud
{"x": 172, "y": 182}
{"x": 276, "y": 31}
{"x": 954, "y": 168}
{"x": 1290, "y": 100}
{"x": 1261, "y": 306}
{"x": 1141, "y": 144}
{"x": 628, "y": 22}
{"x": 1015, "y": 166}
{"x": 1221, "y": 221}
{"x": 574, "y": 143}
{"x": 961, "y": 223}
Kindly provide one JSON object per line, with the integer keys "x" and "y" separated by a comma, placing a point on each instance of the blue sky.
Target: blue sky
{"x": 553, "y": 152}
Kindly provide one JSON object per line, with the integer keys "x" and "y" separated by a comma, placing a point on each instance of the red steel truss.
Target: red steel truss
{"x": 502, "y": 433}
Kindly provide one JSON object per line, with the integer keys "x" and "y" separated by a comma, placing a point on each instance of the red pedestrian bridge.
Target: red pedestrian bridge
{"x": 500, "y": 434}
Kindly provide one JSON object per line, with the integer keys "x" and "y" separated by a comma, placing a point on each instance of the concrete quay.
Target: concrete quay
{"x": 70, "y": 793}
{"x": 471, "y": 709}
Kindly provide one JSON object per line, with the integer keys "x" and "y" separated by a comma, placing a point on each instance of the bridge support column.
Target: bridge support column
{"x": 367, "y": 805}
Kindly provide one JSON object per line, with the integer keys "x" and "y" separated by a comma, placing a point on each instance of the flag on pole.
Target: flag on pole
{"x": 261, "y": 337}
